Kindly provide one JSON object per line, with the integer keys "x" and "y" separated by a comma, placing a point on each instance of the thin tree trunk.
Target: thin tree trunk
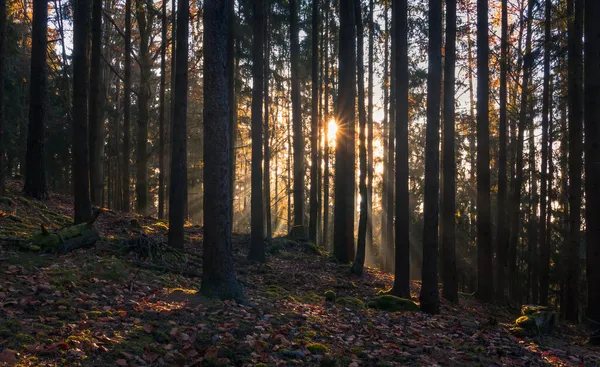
{"x": 267, "y": 132}
{"x": 575, "y": 65}
{"x": 35, "y": 173}
{"x": 96, "y": 108}
{"x": 359, "y": 260}
{"x": 178, "y": 179}
{"x": 592, "y": 154}
{"x": 3, "y": 169}
{"x": 370, "y": 136}
{"x": 401, "y": 287}
{"x": 257, "y": 235}
{"x": 161, "y": 118}
{"x": 450, "y": 288}
{"x": 533, "y": 221}
{"x": 314, "y": 125}
{"x": 485, "y": 278}
{"x": 386, "y": 125}
{"x": 127, "y": 108}
{"x": 326, "y": 152}
{"x": 343, "y": 248}
{"x": 231, "y": 98}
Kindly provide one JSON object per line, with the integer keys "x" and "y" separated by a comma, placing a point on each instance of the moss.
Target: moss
{"x": 351, "y": 302}
{"x": 9, "y": 327}
{"x": 391, "y": 303}
{"x": 260, "y": 365}
{"x": 317, "y": 348}
{"x": 526, "y": 322}
{"x": 310, "y": 297}
{"x": 312, "y": 248}
{"x": 274, "y": 291}
{"x": 310, "y": 334}
{"x": 20, "y": 341}
{"x": 161, "y": 225}
{"x": 330, "y": 296}
{"x": 531, "y": 310}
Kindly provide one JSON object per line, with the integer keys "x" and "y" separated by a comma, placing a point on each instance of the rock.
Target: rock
{"x": 535, "y": 320}
{"x": 65, "y": 240}
{"x": 391, "y": 303}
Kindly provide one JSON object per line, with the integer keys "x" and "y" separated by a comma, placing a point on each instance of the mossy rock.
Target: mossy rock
{"x": 330, "y": 296}
{"x": 531, "y": 310}
{"x": 68, "y": 238}
{"x": 317, "y": 348}
{"x": 391, "y": 303}
{"x": 312, "y": 248}
{"x": 526, "y": 322}
{"x": 351, "y": 302}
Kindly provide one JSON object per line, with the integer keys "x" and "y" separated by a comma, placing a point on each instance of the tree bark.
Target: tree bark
{"x": 81, "y": 180}
{"x": 257, "y": 235}
{"x": 327, "y": 152}
{"x": 314, "y": 124}
{"x": 532, "y": 235}
{"x": 96, "y": 108}
{"x": 3, "y": 169}
{"x": 162, "y": 117}
{"x": 450, "y": 285}
{"x": 359, "y": 260}
{"x": 126, "y": 109}
{"x": 370, "y": 135}
{"x": 575, "y": 65}
{"x": 267, "y": 131}
{"x": 343, "y": 248}
{"x": 35, "y": 173}
{"x": 218, "y": 277}
{"x": 178, "y": 181}
{"x": 401, "y": 286}
{"x": 485, "y": 279}
{"x": 386, "y": 254}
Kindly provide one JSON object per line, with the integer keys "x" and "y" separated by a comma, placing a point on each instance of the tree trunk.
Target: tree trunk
{"x": 314, "y": 124}
{"x": 267, "y": 132}
{"x": 178, "y": 180}
{"x": 3, "y": 169}
{"x": 81, "y": 181}
{"x": 96, "y": 106}
{"x": 257, "y": 235}
{"x": 401, "y": 286}
{"x": 450, "y": 288}
{"x": 161, "y": 118}
{"x": 592, "y": 154}
{"x": 533, "y": 221}
{"x": 359, "y": 260}
{"x": 326, "y": 152}
{"x": 126, "y": 108}
{"x": 485, "y": 279}
{"x": 343, "y": 248}
{"x": 297, "y": 123}
{"x": 370, "y": 135}
{"x": 35, "y": 174}
{"x": 231, "y": 98}
{"x": 575, "y": 66}
{"x": 218, "y": 277}
{"x": 386, "y": 125}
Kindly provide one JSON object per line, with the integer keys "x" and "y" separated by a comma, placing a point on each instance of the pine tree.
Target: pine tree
{"x": 162, "y": 111}
{"x": 314, "y": 125}
{"x": 2, "y": 62}
{"x": 125, "y": 206}
{"x": 96, "y": 108}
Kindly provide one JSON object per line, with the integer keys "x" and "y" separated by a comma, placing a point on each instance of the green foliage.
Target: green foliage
{"x": 351, "y": 302}
{"x": 391, "y": 303}
{"x": 317, "y": 348}
{"x": 330, "y": 296}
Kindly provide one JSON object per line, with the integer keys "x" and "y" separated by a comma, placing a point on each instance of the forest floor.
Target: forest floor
{"x": 103, "y": 306}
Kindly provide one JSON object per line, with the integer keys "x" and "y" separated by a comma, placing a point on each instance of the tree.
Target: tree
{"x": 326, "y": 152}
{"x": 501, "y": 232}
{"x": 162, "y": 108}
{"x": 96, "y": 108}
{"x": 592, "y": 155}
{"x": 257, "y": 236}
{"x": 218, "y": 277}
{"x": 267, "y": 131}
{"x": 297, "y": 124}
{"x": 125, "y": 206}
{"x": 430, "y": 298}
{"x": 2, "y": 62}
{"x": 401, "y": 286}
{"x": 359, "y": 260}
{"x": 370, "y": 136}
{"x": 575, "y": 66}
{"x": 485, "y": 277}
{"x": 178, "y": 180}
{"x": 81, "y": 182}
{"x": 35, "y": 174}
{"x": 314, "y": 125}
{"x": 450, "y": 289}
{"x": 343, "y": 236}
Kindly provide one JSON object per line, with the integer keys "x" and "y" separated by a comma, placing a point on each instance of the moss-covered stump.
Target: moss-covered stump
{"x": 534, "y": 320}
{"x": 65, "y": 240}
{"x": 391, "y": 303}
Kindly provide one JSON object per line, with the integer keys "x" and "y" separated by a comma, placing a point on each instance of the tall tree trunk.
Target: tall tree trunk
{"x": 544, "y": 264}
{"x": 267, "y": 132}
{"x": 359, "y": 260}
{"x": 145, "y": 17}
{"x": 231, "y": 98}
{"x": 575, "y": 12}
{"x": 401, "y": 286}
{"x": 314, "y": 124}
{"x": 35, "y": 173}
{"x": 81, "y": 181}
{"x": 161, "y": 118}
{"x": 592, "y": 154}
{"x": 472, "y": 130}
{"x": 390, "y": 148}
{"x": 297, "y": 123}
{"x": 178, "y": 179}
{"x": 96, "y": 106}
{"x": 257, "y": 223}
{"x": 126, "y": 108}
{"x": 218, "y": 277}
{"x": 533, "y": 222}
{"x": 343, "y": 248}
{"x": 326, "y": 152}
{"x": 386, "y": 125}
{"x": 450, "y": 288}
{"x": 3, "y": 169}
{"x": 370, "y": 136}
{"x": 430, "y": 298}
{"x": 485, "y": 278}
